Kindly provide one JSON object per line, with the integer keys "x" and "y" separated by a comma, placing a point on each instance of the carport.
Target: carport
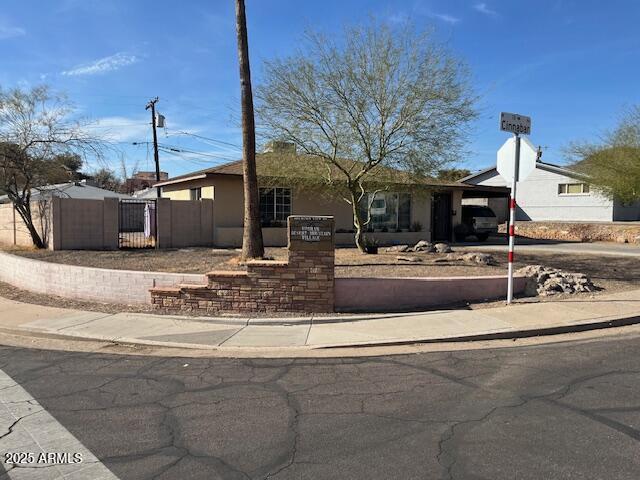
{"x": 496, "y": 198}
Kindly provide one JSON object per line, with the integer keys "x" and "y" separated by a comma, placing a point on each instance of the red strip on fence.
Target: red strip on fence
{"x": 512, "y": 230}
{"x": 512, "y": 203}
{"x": 510, "y": 257}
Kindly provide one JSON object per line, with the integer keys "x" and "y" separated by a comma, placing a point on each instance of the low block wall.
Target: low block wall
{"x": 580, "y": 232}
{"x": 85, "y": 283}
{"x": 407, "y": 294}
{"x": 351, "y": 294}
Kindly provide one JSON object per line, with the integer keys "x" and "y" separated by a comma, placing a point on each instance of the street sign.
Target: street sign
{"x": 516, "y": 160}
{"x": 514, "y": 123}
{"x": 506, "y": 159}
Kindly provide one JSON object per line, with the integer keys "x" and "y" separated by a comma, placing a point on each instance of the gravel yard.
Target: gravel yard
{"x": 606, "y": 271}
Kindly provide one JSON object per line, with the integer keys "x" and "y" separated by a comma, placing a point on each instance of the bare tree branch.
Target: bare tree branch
{"x": 377, "y": 99}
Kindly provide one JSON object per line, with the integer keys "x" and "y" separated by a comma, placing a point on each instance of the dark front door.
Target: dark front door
{"x": 441, "y": 218}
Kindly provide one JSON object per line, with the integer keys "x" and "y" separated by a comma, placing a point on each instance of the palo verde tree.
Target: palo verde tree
{"x": 613, "y": 165}
{"x": 39, "y": 145}
{"x": 376, "y": 100}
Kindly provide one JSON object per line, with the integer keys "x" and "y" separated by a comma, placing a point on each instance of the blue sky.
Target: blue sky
{"x": 571, "y": 65}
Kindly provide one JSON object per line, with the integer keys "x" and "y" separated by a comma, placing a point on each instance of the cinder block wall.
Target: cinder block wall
{"x": 85, "y": 283}
{"x": 185, "y": 223}
{"x": 83, "y": 224}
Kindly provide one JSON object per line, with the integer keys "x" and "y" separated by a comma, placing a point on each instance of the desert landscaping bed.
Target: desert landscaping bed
{"x": 611, "y": 273}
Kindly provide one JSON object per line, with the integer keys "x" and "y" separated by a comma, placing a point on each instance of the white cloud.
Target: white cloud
{"x": 482, "y": 8}
{"x": 9, "y": 31}
{"x": 121, "y": 129}
{"x": 445, "y": 17}
{"x": 103, "y": 65}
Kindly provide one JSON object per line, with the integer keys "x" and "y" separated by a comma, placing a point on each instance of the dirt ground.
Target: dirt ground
{"x": 349, "y": 263}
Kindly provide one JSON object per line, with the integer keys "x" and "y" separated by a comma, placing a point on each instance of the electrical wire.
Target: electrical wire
{"x": 202, "y": 137}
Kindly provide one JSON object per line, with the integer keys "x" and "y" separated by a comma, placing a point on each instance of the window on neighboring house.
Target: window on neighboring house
{"x": 275, "y": 206}
{"x": 573, "y": 188}
{"x": 389, "y": 211}
{"x": 195, "y": 193}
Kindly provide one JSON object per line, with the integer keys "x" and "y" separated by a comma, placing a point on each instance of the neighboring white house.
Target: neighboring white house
{"x": 552, "y": 192}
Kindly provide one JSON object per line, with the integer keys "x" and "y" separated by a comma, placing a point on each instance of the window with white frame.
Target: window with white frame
{"x": 275, "y": 206}
{"x": 195, "y": 193}
{"x": 390, "y": 212}
{"x": 573, "y": 189}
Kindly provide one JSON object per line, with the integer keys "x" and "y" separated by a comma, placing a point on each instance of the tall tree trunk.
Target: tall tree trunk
{"x": 252, "y": 246}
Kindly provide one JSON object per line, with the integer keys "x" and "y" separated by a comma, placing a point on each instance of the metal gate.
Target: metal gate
{"x": 137, "y": 224}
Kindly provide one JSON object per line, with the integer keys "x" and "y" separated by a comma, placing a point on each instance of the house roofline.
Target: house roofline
{"x": 541, "y": 165}
{"x": 181, "y": 179}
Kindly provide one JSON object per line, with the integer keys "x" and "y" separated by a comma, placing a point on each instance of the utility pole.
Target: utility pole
{"x": 152, "y": 105}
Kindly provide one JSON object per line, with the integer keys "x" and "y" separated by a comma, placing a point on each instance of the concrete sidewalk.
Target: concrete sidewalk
{"x": 224, "y": 333}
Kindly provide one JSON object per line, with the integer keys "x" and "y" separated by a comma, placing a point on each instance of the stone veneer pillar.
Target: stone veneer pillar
{"x": 303, "y": 284}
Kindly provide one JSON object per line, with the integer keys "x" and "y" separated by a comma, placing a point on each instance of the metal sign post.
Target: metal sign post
{"x": 516, "y": 124}
{"x": 512, "y": 219}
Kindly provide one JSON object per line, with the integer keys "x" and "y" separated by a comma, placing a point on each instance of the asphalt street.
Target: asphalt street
{"x": 555, "y": 411}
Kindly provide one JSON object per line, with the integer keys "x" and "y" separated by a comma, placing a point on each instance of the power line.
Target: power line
{"x": 196, "y": 161}
{"x": 173, "y": 148}
{"x": 204, "y": 154}
{"x": 202, "y": 137}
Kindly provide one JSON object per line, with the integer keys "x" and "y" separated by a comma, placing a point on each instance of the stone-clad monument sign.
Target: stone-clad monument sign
{"x": 311, "y": 233}
{"x": 304, "y": 283}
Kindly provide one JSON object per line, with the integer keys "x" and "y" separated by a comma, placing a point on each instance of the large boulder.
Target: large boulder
{"x": 442, "y": 248}
{"x": 479, "y": 258}
{"x": 551, "y": 281}
{"x": 424, "y": 246}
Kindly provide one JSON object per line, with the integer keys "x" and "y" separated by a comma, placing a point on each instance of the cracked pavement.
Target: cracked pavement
{"x": 555, "y": 411}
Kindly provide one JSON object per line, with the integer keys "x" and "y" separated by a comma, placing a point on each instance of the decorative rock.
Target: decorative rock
{"x": 397, "y": 248}
{"x": 637, "y": 240}
{"x": 622, "y": 239}
{"x": 402, "y": 258}
{"x": 424, "y": 246}
{"x": 479, "y": 258}
{"x": 442, "y": 248}
{"x": 551, "y": 281}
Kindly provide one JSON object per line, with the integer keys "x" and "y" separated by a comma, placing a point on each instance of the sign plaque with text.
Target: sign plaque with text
{"x": 311, "y": 233}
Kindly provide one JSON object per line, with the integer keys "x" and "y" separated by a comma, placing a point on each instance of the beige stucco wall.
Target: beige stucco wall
{"x": 226, "y": 191}
{"x": 228, "y": 208}
{"x": 304, "y": 203}
{"x": 13, "y": 231}
{"x": 177, "y": 194}
{"x": 207, "y": 192}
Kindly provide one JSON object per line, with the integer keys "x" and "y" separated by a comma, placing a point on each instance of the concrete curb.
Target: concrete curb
{"x": 600, "y": 323}
{"x": 504, "y": 335}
